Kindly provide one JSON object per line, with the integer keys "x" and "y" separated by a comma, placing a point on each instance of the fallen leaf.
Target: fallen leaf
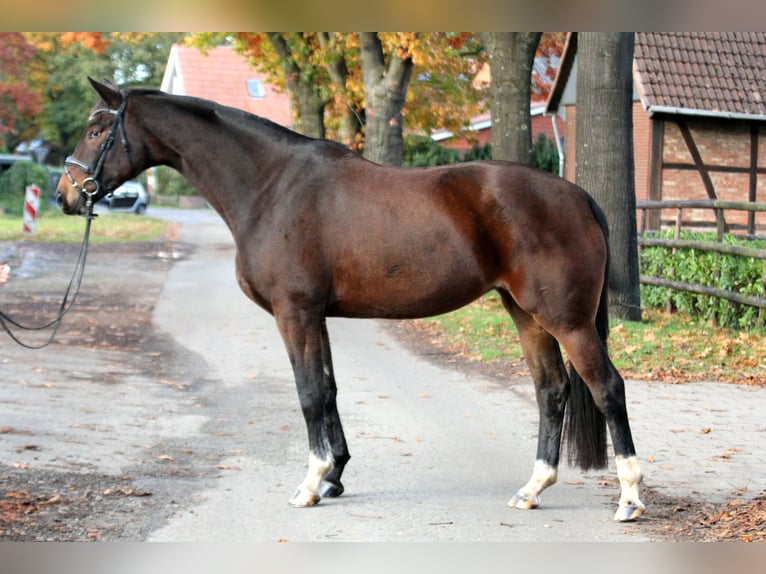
{"x": 55, "y": 499}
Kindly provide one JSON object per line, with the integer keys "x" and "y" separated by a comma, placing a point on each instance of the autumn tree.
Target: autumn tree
{"x": 348, "y": 102}
{"x": 61, "y": 66}
{"x": 385, "y": 88}
{"x": 18, "y": 102}
{"x": 511, "y": 56}
{"x": 604, "y": 155}
{"x": 419, "y": 80}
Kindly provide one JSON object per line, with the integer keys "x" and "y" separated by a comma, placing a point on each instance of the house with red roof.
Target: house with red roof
{"x": 226, "y": 77}
{"x": 699, "y": 118}
{"x": 481, "y": 125}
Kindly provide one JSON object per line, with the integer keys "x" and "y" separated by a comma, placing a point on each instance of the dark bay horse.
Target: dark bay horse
{"x": 320, "y": 232}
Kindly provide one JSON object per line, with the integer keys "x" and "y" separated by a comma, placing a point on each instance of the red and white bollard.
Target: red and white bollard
{"x": 31, "y": 205}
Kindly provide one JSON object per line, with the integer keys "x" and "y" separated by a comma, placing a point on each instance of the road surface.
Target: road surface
{"x": 200, "y": 410}
{"x": 435, "y": 453}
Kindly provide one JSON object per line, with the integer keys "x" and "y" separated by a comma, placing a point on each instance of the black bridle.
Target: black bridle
{"x": 89, "y": 187}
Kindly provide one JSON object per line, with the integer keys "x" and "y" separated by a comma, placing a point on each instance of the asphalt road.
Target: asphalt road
{"x": 203, "y": 413}
{"x": 435, "y": 454}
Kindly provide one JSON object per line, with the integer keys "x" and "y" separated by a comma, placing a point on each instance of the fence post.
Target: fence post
{"x": 31, "y": 206}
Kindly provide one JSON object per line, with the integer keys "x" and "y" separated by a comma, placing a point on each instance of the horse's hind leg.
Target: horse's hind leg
{"x": 591, "y": 361}
{"x": 543, "y": 357}
{"x": 307, "y": 343}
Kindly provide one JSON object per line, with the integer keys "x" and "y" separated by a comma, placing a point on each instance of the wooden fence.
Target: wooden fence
{"x": 719, "y": 208}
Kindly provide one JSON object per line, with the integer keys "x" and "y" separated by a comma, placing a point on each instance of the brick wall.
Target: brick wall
{"x": 720, "y": 143}
{"x": 642, "y": 147}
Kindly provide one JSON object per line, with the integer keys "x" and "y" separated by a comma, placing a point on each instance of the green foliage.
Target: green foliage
{"x": 421, "y": 151}
{"x": 169, "y": 182}
{"x": 69, "y": 96}
{"x": 545, "y": 156}
{"x": 744, "y": 275}
{"x": 14, "y": 182}
{"x": 61, "y": 76}
{"x": 478, "y": 152}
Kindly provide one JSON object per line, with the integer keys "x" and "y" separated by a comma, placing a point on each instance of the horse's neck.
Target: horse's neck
{"x": 211, "y": 157}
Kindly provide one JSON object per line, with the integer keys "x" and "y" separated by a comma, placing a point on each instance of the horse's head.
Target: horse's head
{"x": 101, "y": 161}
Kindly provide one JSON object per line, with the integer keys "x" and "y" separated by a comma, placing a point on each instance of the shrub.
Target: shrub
{"x": 478, "y": 152}
{"x": 545, "y": 156}
{"x": 14, "y": 182}
{"x": 170, "y": 182}
{"x": 422, "y": 151}
{"x": 744, "y": 275}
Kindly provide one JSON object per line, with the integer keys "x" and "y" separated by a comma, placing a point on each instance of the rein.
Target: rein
{"x": 89, "y": 187}
{"x": 8, "y": 322}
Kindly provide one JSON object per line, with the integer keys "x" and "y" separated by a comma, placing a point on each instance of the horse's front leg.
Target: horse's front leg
{"x": 331, "y": 486}
{"x": 307, "y": 344}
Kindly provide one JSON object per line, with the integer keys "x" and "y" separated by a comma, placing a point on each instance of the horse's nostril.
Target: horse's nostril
{"x": 59, "y": 199}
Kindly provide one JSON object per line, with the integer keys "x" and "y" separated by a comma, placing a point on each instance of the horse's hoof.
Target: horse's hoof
{"x": 524, "y": 501}
{"x": 303, "y": 499}
{"x": 629, "y": 512}
{"x": 331, "y": 489}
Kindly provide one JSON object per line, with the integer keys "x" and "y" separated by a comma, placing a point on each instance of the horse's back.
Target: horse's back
{"x": 405, "y": 242}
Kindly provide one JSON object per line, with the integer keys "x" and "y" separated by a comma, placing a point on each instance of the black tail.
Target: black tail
{"x": 585, "y": 424}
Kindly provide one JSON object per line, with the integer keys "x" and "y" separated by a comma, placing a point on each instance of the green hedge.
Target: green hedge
{"x": 743, "y": 275}
{"x": 14, "y": 182}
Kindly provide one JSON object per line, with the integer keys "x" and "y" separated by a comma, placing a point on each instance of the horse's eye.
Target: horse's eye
{"x": 94, "y": 133}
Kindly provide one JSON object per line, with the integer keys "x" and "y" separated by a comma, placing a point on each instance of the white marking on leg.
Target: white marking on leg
{"x": 307, "y": 493}
{"x": 528, "y": 496}
{"x": 629, "y": 473}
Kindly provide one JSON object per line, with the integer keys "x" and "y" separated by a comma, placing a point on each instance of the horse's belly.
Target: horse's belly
{"x": 407, "y": 287}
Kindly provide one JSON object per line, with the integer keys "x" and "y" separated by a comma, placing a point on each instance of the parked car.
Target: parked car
{"x": 130, "y": 196}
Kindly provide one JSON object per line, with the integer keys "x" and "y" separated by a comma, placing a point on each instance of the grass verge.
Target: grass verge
{"x": 662, "y": 347}
{"x": 110, "y": 228}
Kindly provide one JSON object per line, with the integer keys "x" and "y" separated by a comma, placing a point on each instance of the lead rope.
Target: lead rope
{"x": 66, "y": 302}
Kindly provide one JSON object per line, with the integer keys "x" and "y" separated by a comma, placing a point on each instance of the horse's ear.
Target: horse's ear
{"x": 108, "y": 92}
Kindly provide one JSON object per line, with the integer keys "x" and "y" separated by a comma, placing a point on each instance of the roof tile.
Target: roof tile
{"x": 221, "y": 75}
{"x": 706, "y": 71}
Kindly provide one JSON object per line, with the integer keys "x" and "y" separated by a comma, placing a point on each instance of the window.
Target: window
{"x": 255, "y": 88}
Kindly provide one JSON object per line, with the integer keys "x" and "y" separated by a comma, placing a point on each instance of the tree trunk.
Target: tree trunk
{"x": 511, "y": 56}
{"x": 351, "y": 126}
{"x": 385, "y": 88}
{"x": 309, "y": 119}
{"x": 309, "y": 112}
{"x": 604, "y": 155}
